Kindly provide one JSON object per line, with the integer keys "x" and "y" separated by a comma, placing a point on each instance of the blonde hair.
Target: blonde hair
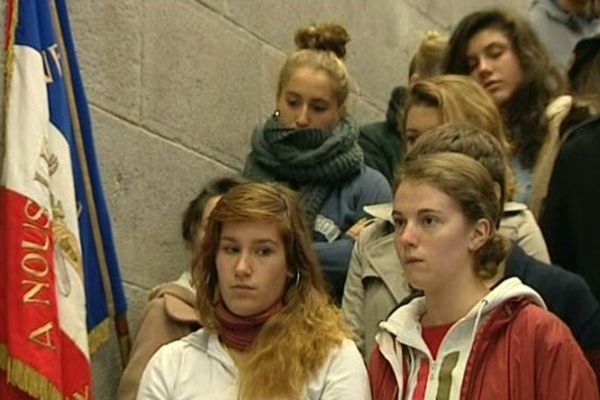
{"x": 321, "y": 47}
{"x": 471, "y": 186}
{"x": 295, "y": 343}
{"x": 460, "y": 99}
{"x": 427, "y": 61}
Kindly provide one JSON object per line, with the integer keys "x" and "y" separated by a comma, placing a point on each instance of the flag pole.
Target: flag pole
{"x": 120, "y": 321}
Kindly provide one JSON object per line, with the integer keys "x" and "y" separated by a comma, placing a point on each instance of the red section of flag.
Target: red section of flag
{"x": 32, "y": 341}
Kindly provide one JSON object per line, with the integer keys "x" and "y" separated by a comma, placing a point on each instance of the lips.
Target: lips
{"x": 412, "y": 260}
{"x": 492, "y": 84}
{"x": 243, "y": 287}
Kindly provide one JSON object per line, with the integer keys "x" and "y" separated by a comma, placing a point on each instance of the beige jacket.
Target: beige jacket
{"x": 556, "y": 112}
{"x": 376, "y": 284}
{"x": 169, "y": 315}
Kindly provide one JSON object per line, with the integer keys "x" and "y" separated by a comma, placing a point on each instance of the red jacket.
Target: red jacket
{"x": 520, "y": 352}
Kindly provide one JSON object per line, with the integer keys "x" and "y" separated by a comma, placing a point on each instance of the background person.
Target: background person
{"x": 376, "y": 283}
{"x": 500, "y": 50}
{"x": 170, "y": 313}
{"x": 428, "y": 60}
{"x": 384, "y": 143}
{"x": 560, "y": 24}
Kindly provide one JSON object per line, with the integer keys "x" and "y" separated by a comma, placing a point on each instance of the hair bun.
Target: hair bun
{"x": 326, "y": 37}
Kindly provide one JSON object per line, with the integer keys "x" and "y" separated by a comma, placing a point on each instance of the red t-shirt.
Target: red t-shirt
{"x": 433, "y": 336}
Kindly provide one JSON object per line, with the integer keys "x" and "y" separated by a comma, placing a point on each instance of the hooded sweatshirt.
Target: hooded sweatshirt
{"x": 491, "y": 352}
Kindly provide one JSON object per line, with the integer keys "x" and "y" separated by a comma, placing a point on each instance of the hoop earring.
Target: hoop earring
{"x": 276, "y": 114}
{"x": 297, "y": 278}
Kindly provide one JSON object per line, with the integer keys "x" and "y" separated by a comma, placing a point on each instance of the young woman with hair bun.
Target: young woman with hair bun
{"x": 311, "y": 145}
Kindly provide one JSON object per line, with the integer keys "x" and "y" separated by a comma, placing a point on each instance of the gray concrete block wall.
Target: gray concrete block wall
{"x": 175, "y": 88}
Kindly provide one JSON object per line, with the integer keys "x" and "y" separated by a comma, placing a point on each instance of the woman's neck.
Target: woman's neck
{"x": 453, "y": 302}
{"x": 237, "y": 356}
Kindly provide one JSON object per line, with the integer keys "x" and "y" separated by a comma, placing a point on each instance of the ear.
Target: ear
{"x": 481, "y": 232}
{"x": 414, "y": 78}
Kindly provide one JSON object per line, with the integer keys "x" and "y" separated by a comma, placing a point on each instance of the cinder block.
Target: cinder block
{"x": 449, "y": 12}
{"x": 272, "y": 61}
{"x": 106, "y": 362}
{"x": 219, "y": 6}
{"x": 381, "y": 35}
{"x": 202, "y": 79}
{"x": 364, "y": 112}
{"x": 108, "y": 37}
{"x": 106, "y": 371}
{"x": 148, "y": 183}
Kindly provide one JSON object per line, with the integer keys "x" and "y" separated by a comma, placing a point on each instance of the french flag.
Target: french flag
{"x": 60, "y": 288}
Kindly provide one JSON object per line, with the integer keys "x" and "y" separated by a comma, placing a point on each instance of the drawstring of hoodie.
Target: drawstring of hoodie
{"x": 482, "y": 305}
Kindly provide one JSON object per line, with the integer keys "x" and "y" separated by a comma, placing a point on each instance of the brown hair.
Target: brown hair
{"x": 288, "y": 350}
{"x": 468, "y": 140}
{"x": 524, "y": 113}
{"x": 428, "y": 59}
{"x": 461, "y": 100}
{"x": 471, "y": 186}
{"x": 322, "y": 47}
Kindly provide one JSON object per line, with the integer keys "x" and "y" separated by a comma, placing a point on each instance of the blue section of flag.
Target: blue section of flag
{"x": 44, "y": 41}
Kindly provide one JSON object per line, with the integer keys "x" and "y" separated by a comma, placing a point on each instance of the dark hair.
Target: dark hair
{"x": 584, "y": 73}
{"x": 397, "y": 106}
{"x": 193, "y": 213}
{"x": 524, "y": 113}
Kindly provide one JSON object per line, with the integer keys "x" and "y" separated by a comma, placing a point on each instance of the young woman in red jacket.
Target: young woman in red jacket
{"x": 464, "y": 339}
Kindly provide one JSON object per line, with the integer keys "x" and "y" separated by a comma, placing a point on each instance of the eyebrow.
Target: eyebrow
{"x": 495, "y": 43}
{"x": 256, "y": 241}
{"x": 419, "y": 212}
{"x": 312, "y": 99}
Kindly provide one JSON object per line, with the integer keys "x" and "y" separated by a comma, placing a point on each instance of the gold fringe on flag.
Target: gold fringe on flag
{"x": 99, "y": 335}
{"x": 27, "y": 379}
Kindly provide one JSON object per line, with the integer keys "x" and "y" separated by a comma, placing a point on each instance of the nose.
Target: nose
{"x": 302, "y": 119}
{"x": 407, "y": 237}
{"x": 484, "y": 68}
{"x": 243, "y": 265}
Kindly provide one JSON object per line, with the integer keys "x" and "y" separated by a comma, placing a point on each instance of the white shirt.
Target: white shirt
{"x": 199, "y": 367}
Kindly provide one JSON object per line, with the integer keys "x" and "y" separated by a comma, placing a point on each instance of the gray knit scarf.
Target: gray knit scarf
{"x": 311, "y": 161}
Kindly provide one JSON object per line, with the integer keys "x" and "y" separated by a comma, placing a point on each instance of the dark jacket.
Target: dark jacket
{"x": 571, "y": 216}
{"x": 341, "y": 210}
{"x": 381, "y": 141}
